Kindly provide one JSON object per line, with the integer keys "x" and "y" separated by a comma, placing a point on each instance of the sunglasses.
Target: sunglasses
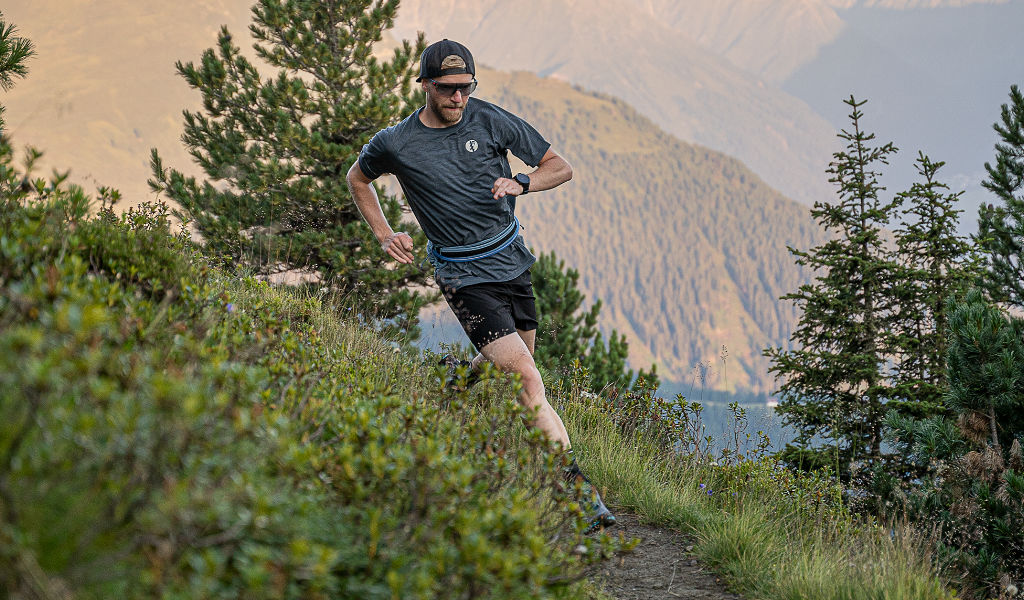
{"x": 449, "y": 89}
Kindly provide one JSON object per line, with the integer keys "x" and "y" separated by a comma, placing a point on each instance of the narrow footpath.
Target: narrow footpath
{"x": 660, "y": 567}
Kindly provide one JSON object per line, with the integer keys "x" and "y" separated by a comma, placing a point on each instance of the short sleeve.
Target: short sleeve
{"x": 520, "y": 137}
{"x": 375, "y": 157}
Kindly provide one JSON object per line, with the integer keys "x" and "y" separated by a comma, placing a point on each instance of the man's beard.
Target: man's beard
{"x": 450, "y": 116}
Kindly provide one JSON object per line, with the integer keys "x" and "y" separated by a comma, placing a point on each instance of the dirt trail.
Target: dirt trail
{"x": 658, "y": 568}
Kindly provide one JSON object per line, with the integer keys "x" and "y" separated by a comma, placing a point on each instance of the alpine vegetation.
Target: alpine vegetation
{"x": 905, "y": 380}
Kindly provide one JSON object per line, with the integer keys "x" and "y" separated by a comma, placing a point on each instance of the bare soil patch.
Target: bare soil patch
{"x": 660, "y": 567}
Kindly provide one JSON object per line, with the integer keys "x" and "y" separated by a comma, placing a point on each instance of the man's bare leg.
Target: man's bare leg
{"x": 529, "y": 338}
{"x": 513, "y": 353}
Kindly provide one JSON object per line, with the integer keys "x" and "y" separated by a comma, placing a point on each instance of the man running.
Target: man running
{"x": 450, "y": 157}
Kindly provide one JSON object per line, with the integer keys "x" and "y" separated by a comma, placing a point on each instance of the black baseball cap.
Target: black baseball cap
{"x": 445, "y": 58}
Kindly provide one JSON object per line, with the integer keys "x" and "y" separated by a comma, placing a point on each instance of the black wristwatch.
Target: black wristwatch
{"x": 524, "y": 180}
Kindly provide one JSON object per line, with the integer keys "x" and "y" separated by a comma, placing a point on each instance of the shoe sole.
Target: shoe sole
{"x": 601, "y": 522}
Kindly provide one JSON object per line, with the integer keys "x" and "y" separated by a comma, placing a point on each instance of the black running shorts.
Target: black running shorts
{"x": 489, "y": 311}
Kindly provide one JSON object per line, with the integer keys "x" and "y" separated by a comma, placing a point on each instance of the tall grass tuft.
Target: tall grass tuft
{"x": 769, "y": 532}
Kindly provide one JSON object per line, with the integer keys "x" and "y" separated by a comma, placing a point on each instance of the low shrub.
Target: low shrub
{"x": 167, "y": 431}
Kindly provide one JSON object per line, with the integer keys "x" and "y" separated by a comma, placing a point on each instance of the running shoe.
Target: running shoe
{"x": 455, "y": 380}
{"x": 600, "y": 516}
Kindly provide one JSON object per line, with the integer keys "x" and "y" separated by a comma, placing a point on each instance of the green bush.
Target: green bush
{"x": 168, "y": 432}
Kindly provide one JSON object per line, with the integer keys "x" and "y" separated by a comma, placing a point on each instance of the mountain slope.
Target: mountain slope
{"x": 103, "y": 89}
{"x": 766, "y": 39}
{"x": 685, "y": 246}
{"x": 764, "y": 81}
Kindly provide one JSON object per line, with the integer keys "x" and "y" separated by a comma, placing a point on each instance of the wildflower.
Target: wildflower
{"x": 230, "y": 307}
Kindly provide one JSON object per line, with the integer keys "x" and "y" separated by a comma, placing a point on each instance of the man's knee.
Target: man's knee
{"x": 511, "y": 355}
{"x": 531, "y": 381}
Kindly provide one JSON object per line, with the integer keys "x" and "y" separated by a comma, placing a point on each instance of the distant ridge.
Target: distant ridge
{"x": 764, "y": 81}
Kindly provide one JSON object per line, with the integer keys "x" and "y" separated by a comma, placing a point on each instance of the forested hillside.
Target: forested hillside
{"x": 685, "y": 246}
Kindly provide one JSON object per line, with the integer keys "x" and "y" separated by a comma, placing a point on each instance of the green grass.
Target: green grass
{"x": 777, "y": 538}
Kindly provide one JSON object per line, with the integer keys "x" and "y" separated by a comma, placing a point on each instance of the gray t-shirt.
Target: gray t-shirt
{"x": 447, "y": 174}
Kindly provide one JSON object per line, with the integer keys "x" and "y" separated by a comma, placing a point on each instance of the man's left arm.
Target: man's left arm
{"x": 552, "y": 171}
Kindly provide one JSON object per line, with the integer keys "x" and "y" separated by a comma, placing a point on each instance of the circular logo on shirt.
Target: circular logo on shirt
{"x": 472, "y": 145}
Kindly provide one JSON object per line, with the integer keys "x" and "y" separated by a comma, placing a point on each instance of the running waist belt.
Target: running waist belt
{"x": 478, "y": 250}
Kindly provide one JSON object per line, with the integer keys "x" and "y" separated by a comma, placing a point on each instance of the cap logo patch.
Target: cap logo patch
{"x": 453, "y": 61}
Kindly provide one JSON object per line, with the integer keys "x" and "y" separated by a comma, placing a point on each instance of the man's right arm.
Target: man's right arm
{"x": 398, "y": 245}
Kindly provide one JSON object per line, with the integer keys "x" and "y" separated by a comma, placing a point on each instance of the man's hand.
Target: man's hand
{"x": 399, "y": 246}
{"x": 505, "y": 187}
{"x": 552, "y": 171}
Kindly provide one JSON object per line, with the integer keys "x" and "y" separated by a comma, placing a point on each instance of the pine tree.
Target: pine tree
{"x": 567, "y": 333}
{"x": 937, "y": 265}
{"x": 1001, "y": 227}
{"x": 834, "y": 382}
{"x": 969, "y": 461}
{"x": 986, "y": 371}
{"x": 972, "y": 465}
{"x": 14, "y": 52}
{"x": 275, "y": 150}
